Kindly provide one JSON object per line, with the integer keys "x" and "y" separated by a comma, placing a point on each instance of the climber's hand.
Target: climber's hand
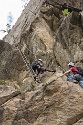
{"x": 61, "y": 75}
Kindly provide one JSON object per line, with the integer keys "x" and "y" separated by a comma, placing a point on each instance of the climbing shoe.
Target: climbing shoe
{"x": 35, "y": 77}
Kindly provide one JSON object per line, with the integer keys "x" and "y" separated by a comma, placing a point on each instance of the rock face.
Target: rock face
{"x": 11, "y": 62}
{"x": 42, "y": 31}
{"x": 56, "y": 103}
{"x": 72, "y": 3}
{"x": 7, "y": 93}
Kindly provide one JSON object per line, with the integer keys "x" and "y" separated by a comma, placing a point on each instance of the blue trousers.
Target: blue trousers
{"x": 70, "y": 78}
{"x": 81, "y": 83}
{"x": 76, "y": 77}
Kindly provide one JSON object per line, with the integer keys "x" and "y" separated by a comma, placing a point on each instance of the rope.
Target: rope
{"x": 27, "y": 64}
{"x": 31, "y": 51}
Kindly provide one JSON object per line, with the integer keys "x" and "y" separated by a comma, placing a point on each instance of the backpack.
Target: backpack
{"x": 80, "y": 71}
{"x": 35, "y": 63}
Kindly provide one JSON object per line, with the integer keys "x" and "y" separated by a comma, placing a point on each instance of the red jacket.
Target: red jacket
{"x": 74, "y": 70}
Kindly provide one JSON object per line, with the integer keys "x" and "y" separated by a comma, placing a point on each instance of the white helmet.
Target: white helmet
{"x": 40, "y": 60}
{"x": 71, "y": 64}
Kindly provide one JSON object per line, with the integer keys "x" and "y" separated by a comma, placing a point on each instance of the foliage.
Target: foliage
{"x": 2, "y": 82}
{"x": 25, "y": 2}
{"x": 65, "y": 12}
{"x": 21, "y": 87}
{"x": 9, "y": 21}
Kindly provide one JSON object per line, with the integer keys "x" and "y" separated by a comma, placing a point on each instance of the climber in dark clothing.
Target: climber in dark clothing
{"x": 38, "y": 68}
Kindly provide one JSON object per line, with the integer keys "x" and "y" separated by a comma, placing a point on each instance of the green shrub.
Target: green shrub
{"x": 65, "y": 12}
{"x": 2, "y": 82}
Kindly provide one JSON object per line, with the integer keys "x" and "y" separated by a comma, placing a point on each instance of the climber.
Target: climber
{"x": 73, "y": 75}
{"x": 38, "y": 68}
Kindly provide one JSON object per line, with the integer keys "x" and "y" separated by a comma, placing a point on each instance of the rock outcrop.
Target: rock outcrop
{"x": 7, "y": 93}
{"x": 57, "y": 103}
{"x": 11, "y": 62}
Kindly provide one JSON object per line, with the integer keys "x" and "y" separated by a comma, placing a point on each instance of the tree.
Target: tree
{"x": 9, "y": 21}
{"x": 25, "y": 2}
